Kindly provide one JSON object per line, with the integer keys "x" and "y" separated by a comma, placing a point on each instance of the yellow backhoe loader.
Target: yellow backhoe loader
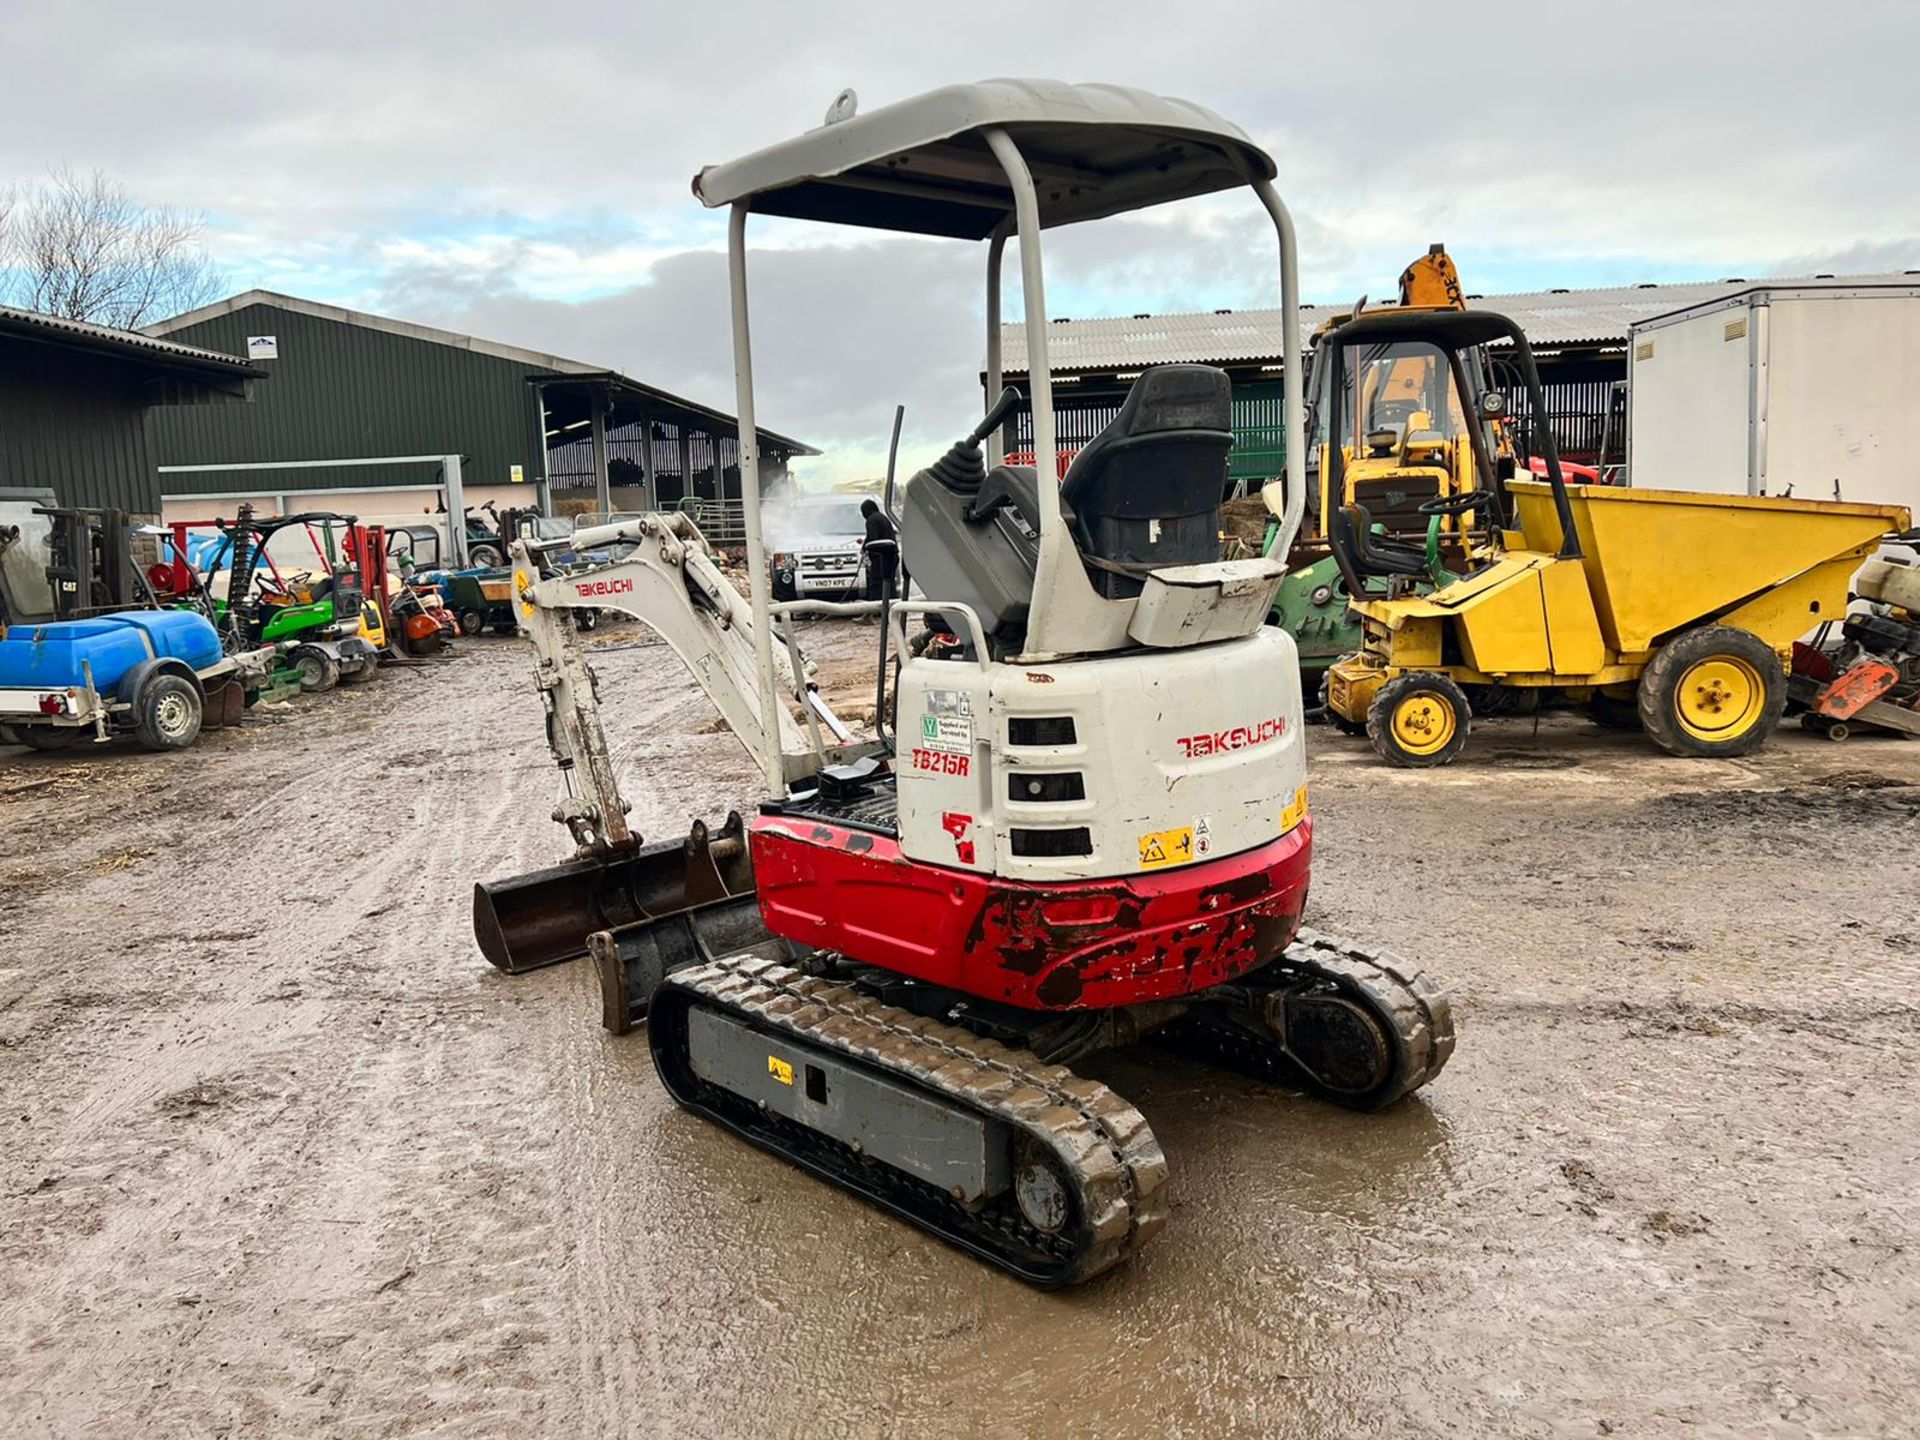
{"x": 1432, "y": 426}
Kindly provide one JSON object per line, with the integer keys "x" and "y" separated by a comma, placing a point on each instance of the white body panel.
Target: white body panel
{"x": 21, "y": 705}
{"x": 1817, "y": 388}
{"x": 1843, "y": 399}
{"x": 1205, "y": 740}
{"x": 1199, "y": 604}
{"x": 1689, "y": 396}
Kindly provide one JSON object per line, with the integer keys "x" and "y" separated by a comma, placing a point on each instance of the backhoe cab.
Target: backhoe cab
{"x": 1423, "y": 422}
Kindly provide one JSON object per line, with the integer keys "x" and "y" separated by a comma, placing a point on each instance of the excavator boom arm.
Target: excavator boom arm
{"x": 669, "y": 582}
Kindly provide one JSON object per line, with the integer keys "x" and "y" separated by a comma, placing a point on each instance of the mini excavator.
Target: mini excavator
{"x": 1089, "y": 826}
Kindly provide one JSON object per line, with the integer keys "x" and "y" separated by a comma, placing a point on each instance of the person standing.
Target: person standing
{"x": 880, "y": 550}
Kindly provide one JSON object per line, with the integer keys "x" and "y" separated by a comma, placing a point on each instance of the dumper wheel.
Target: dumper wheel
{"x": 1419, "y": 720}
{"x": 1716, "y": 691}
{"x": 167, "y": 713}
{"x": 1334, "y": 717}
{"x": 472, "y": 622}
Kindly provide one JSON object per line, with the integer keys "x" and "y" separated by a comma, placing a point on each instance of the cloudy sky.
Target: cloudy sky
{"x": 521, "y": 171}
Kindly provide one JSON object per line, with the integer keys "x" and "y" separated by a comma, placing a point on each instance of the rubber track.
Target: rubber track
{"x": 1106, "y": 1143}
{"x": 1421, "y": 1012}
{"x": 1398, "y": 990}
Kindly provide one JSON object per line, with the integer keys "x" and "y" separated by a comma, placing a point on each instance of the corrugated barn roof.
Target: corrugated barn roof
{"x": 1550, "y": 317}
{"x": 102, "y": 339}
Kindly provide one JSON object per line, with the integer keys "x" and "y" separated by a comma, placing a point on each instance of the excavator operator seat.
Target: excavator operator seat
{"x": 1145, "y": 493}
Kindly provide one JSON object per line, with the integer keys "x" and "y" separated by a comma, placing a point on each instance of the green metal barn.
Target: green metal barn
{"x": 389, "y": 419}
{"x": 74, "y": 402}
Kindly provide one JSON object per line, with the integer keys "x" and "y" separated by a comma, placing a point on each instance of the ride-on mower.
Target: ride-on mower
{"x": 327, "y": 628}
{"x": 1091, "y": 824}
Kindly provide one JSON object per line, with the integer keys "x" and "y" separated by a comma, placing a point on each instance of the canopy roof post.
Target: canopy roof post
{"x": 767, "y": 748}
{"x": 1292, "y": 506}
{"x": 996, "y": 256}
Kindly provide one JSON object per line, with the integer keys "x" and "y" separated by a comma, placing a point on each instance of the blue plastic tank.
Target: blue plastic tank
{"x": 51, "y": 655}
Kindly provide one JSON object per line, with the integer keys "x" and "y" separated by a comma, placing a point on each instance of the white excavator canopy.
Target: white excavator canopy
{"x": 923, "y": 166}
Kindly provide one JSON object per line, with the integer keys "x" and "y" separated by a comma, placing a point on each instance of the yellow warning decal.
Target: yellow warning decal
{"x": 523, "y": 592}
{"x": 1294, "y": 811}
{"x": 781, "y": 1070}
{"x": 1166, "y": 847}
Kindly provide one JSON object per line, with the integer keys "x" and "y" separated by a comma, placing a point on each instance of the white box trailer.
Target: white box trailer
{"x": 1809, "y": 385}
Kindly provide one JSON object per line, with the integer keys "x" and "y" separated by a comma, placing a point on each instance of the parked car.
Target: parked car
{"x": 816, "y": 547}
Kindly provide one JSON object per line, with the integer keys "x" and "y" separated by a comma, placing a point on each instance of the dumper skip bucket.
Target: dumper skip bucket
{"x": 545, "y": 917}
{"x": 1659, "y": 560}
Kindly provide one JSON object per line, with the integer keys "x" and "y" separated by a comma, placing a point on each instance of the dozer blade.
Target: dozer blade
{"x": 545, "y": 917}
{"x": 634, "y": 959}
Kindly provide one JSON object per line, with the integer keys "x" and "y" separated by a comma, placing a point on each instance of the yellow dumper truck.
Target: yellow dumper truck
{"x": 1673, "y": 610}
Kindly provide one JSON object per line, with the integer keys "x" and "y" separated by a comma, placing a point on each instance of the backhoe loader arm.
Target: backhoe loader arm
{"x": 1431, "y": 281}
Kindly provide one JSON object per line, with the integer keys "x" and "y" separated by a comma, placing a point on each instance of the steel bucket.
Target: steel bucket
{"x": 545, "y": 917}
{"x": 633, "y": 959}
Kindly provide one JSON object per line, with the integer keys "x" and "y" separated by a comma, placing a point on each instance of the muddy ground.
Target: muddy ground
{"x": 280, "y": 1155}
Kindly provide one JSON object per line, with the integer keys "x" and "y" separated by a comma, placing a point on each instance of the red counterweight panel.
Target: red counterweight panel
{"x": 1076, "y": 945}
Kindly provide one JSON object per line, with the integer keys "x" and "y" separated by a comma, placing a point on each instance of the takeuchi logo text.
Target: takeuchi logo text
{"x": 602, "y": 587}
{"x": 1237, "y": 737}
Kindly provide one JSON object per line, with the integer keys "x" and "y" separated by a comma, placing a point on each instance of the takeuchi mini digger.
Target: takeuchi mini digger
{"x": 1090, "y": 826}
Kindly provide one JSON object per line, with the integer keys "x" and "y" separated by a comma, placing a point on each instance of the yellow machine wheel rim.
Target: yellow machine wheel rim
{"x": 1720, "y": 698}
{"x": 1423, "y": 723}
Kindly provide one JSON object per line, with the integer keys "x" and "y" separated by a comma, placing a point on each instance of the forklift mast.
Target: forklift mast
{"x": 90, "y": 562}
{"x": 242, "y": 561}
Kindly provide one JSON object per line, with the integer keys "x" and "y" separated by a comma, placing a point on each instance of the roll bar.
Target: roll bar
{"x": 1451, "y": 332}
{"x": 1065, "y": 607}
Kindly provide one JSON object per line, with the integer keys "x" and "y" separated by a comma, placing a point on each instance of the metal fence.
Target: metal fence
{"x": 698, "y": 466}
{"x": 1576, "y": 414}
{"x": 1259, "y": 429}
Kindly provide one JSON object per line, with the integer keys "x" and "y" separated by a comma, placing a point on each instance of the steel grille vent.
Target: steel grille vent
{"x": 1040, "y": 730}
{"x": 1047, "y": 844}
{"x": 1046, "y": 788}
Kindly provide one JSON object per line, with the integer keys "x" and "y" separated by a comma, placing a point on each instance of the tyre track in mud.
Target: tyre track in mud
{"x": 258, "y": 1187}
{"x": 662, "y": 1221}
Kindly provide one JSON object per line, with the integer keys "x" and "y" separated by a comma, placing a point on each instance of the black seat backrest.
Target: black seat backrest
{"x": 1145, "y": 493}
{"x": 1372, "y": 555}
